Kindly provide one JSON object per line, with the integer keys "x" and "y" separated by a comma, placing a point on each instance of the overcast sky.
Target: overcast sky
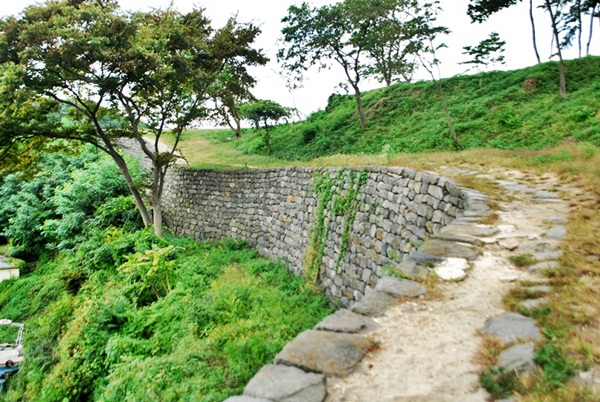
{"x": 513, "y": 26}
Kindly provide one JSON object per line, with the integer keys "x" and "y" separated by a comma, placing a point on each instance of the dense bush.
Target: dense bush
{"x": 114, "y": 313}
{"x": 70, "y": 197}
{"x": 178, "y": 320}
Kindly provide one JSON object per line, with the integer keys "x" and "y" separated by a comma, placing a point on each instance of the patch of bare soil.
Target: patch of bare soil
{"x": 429, "y": 346}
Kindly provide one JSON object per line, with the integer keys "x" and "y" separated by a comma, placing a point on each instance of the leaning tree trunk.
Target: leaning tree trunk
{"x": 448, "y": 117}
{"x": 139, "y": 202}
{"x": 533, "y": 33}
{"x": 359, "y": 107}
{"x": 561, "y": 63}
{"x": 157, "y": 186}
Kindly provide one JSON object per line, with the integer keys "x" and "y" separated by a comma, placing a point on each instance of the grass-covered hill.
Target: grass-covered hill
{"x": 519, "y": 109}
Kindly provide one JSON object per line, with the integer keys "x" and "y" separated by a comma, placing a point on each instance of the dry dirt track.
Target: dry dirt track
{"x": 429, "y": 346}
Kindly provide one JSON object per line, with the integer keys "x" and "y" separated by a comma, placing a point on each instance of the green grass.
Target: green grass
{"x": 511, "y": 110}
{"x": 196, "y": 328}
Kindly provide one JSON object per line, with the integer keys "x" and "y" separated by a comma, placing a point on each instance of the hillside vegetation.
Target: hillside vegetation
{"x": 519, "y": 109}
{"x": 114, "y": 313}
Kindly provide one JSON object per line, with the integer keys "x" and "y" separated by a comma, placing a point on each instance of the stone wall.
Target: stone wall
{"x": 277, "y": 212}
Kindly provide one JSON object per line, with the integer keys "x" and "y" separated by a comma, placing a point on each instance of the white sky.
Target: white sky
{"x": 512, "y": 24}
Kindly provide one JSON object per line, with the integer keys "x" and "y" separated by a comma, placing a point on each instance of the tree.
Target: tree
{"x": 232, "y": 87}
{"x": 317, "y": 36}
{"x": 430, "y": 61}
{"x": 554, "y": 16}
{"x": 117, "y": 76}
{"x": 264, "y": 114}
{"x": 488, "y": 51}
{"x": 481, "y": 10}
{"x": 394, "y": 35}
{"x": 366, "y": 38}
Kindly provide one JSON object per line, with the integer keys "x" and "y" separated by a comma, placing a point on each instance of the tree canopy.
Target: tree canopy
{"x": 263, "y": 114}
{"x": 87, "y": 71}
{"x": 366, "y": 38}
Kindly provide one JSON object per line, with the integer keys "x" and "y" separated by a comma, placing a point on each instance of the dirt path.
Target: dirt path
{"x": 428, "y": 347}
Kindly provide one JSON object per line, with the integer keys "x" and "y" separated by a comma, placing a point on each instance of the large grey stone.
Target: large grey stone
{"x": 534, "y": 303}
{"x": 557, "y": 232}
{"x": 374, "y": 303}
{"x": 330, "y": 353}
{"x": 517, "y": 187}
{"x": 458, "y": 238}
{"x": 511, "y": 327}
{"x": 286, "y": 384}
{"x": 470, "y": 230}
{"x": 518, "y": 358}
{"x": 246, "y": 399}
{"x": 540, "y": 289}
{"x": 452, "y": 269}
{"x": 541, "y": 266}
{"x": 532, "y": 247}
{"x": 410, "y": 269}
{"x": 437, "y": 250}
{"x": 547, "y": 255}
{"x": 346, "y": 321}
{"x": 400, "y": 287}
{"x": 546, "y": 196}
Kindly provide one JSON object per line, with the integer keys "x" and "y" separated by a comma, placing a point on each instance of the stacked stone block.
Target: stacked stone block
{"x": 274, "y": 211}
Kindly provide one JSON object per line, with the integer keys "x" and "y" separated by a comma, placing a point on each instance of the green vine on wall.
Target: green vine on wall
{"x": 335, "y": 197}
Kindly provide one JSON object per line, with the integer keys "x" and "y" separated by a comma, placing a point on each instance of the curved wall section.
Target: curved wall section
{"x": 390, "y": 213}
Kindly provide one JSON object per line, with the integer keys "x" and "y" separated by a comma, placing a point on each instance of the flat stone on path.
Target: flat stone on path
{"x": 346, "y": 321}
{"x": 509, "y": 244}
{"x": 545, "y": 196}
{"x": 557, "y": 232}
{"x": 438, "y": 250}
{"x": 511, "y": 327}
{"x": 411, "y": 269}
{"x": 547, "y": 255}
{"x": 330, "y": 353}
{"x": 286, "y": 384}
{"x": 540, "y": 266}
{"x": 400, "y": 287}
{"x": 518, "y": 358}
{"x": 530, "y": 304}
{"x": 471, "y": 234}
{"x": 470, "y": 230}
{"x": 452, "y": 269}
{"x": 540, "y": 289}
{"x": 374, "y": 303}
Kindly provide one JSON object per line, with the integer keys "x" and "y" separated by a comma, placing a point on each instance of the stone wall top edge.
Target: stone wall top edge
{"x": 370, "y": 168}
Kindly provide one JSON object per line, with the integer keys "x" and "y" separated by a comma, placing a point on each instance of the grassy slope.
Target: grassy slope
{"x": 488, "y": 109}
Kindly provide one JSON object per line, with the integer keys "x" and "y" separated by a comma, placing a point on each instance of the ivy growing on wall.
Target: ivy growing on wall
{"x": 336, "y": 197}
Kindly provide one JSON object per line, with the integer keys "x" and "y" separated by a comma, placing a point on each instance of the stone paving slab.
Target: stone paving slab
{"x": 518, "y": 358}
{"x": 557, "y": 232}
{"x": 374, "y": 303}
{"x": 438, "y": 250}
{"x": 286, "y": 384}
{"x": 511, "y": 327}
{"x": 540, "y": 266}
{"x": 400, "y": 287}
{"x": 471, "y": 230}
{"x": 330, "y": 353}
{"x": 534, "y": 303}
{"x": 346, "y": 321}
